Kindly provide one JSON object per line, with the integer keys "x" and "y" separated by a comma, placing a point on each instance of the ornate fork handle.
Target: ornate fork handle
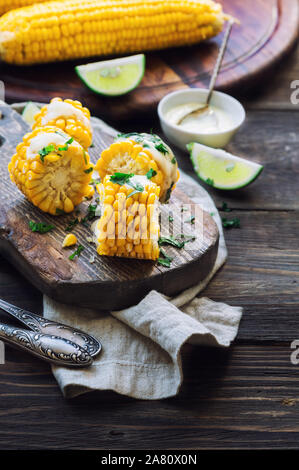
{"x": 51, "y": 348}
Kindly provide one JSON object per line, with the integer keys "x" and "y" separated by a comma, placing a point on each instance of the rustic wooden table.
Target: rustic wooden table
{"x": 245, "y": 397}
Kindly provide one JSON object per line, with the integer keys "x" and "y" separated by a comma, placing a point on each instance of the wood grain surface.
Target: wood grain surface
{"x": 245, "y": 397}
{"x": 42, "y": 259}
{"x": 267, "y": 31}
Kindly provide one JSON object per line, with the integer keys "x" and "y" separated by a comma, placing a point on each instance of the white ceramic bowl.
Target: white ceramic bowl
{"x": 181, "y": 137}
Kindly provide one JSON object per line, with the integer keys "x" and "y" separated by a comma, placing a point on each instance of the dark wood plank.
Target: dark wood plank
{"x": 43, "y": 260}
{"x": 245, "y": 397}
{"x": 265, "y": 35}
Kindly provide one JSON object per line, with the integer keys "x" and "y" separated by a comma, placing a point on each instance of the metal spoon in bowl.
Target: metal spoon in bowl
{"x": 202, "y": 108}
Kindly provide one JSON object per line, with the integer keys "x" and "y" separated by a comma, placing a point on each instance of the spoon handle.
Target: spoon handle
{"x": 219, "y": 60}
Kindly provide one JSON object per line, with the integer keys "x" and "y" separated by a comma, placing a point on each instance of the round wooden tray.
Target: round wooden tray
{"x": 267, "y": 31}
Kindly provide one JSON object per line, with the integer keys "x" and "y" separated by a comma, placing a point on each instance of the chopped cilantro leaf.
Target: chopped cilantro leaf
{"x": 45, "y": 151}
{"x": 210, "y": 181}
{"x": 71, "y": 225}
{"x": 173, "y": 160}
{"x": 121, "y": 178}
{"x": 170, "y": 218}
{"x": 191, "y": 220}
{"x": 91, "y": 211}
{"x": 171, "y": 241}
{"x": 161, "y": 148}
{"x": 40, "y": 227}
{"x": 168, "y": 192}
{"x": 137, "y": 188}
{"x": 89, "y": 170}
{"x": 233, "y": 223}
{"x": 165, "y": 260}
{"x": 151, "y": 173}
{"x": 225, "y": 207}
{"x": 77, "y": 252}
{"x": 66, "y": 145}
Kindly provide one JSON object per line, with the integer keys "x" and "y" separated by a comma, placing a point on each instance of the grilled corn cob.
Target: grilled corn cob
{"x": 51, "y": 169}
{"x": 140, "y": 154}
{"x": 6, "y": 5}
{"x": 129, "y": 225}
{"x": 71, "y": 29}
{"x": 69, "y": 116}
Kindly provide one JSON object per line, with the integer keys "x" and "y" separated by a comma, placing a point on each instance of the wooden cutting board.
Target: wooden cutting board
{"x": 267, "y": 31}
{"x": 108, "y": 282}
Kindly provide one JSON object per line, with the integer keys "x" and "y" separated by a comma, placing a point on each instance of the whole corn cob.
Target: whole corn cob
{"x": 71, "y": 29}
{"x": 69, "y": 116}
{"x": 6, "y": 5}
{"x": 141, "y": 154}
{"x": 51, "y": 169}
{"x": 129, "y": 225}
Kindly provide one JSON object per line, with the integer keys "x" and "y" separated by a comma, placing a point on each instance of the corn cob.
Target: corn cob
{"x": 69, "y": 116}
{"x": 51, "y": 169}
{"x": 140, "y": 154}
{"x": 72, "y": 29}
{"x": 6, "y": 5}
{"x": 129, "y": 225}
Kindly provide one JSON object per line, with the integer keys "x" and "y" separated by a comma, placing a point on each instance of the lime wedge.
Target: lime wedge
{"x": 29, "y": 112}
{"x": 113, "y": 77}
{"x": 222, "y": 169}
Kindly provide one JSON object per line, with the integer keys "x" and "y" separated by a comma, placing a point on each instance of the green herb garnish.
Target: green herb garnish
{"x": 210, "y": 181}
{"x": 168, "y": 192}
{"x": 173, "y": 160}
{"x": 77, "y": 252}
{"x": 121, "y": 178}
{"x": 170, "y": 218}
{"x": 138, "y": 137}
{"x": 225, "y": 207}
{"x": 40, "y": 227}
{"x": 66, "y": 145}
{"x": 161, "y": 147}
{"x": 89, "y": 170}
{"x": 91, "y": 211}
{"x": 45, "y": 151}
{"x": 137, "y": 188}
{"x": 151, "y": 173}
{"x": 166, "y": 260}
{"x": 191, "y": 220}
{"x": 233, "y": 223}
{"x": 71, "y": 225}
{"x": 171, "y": 241}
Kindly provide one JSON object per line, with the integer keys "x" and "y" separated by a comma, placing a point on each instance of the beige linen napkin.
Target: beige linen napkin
{"x": 141, "y": 355}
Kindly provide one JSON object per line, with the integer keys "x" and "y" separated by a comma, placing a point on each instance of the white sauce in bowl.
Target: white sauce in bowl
{"x": 215, "y": 119}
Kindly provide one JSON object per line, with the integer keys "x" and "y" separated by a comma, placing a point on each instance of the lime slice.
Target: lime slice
{"x": 113, "y": 77}
{"x": 29, "y": 112}
{"x": 222, "y": 169}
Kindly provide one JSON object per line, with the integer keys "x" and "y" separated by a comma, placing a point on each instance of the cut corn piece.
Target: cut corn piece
{"x": 70, "y": 116}
{"x": 72, "y": 29}
{"x": 129, "y": 225}
{"x": 69, "y": 240}
{"x": 141, "y": 154}
{"x": 51, "y": 169}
